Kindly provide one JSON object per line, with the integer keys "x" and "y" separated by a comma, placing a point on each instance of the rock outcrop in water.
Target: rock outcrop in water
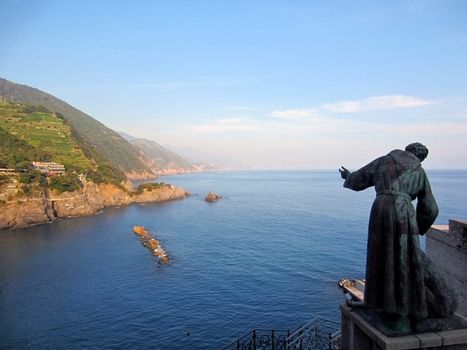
{"x": 151, "y": 243}
{"x": 212, "y": 197}
{"x": 44, "y": 205}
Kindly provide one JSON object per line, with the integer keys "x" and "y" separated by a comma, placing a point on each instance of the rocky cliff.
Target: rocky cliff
{"x": 42, "y": 205}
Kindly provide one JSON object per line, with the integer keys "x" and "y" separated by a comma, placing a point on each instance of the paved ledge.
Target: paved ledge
{"x": 358, "y": 334}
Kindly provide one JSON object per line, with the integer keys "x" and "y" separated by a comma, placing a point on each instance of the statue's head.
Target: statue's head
{"x": 419, "y": 150}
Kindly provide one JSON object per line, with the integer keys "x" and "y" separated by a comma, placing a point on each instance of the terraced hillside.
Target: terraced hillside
{"x": 106, "y": 144}
{"x": 45, "y": 131}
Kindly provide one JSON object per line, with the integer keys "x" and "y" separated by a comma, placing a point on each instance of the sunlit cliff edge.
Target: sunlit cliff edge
{"x": 43, "y": 205}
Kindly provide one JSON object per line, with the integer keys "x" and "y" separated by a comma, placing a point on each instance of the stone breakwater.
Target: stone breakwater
{"x": 151, "y": 243}
{"x": 41, "y": 205}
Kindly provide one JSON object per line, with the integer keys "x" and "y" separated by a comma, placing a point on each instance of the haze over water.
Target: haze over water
{"x": 266, "y": 256}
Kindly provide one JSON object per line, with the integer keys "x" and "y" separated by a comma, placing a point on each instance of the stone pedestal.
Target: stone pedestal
{"x": 446, "y": 246}
{"x": 358, "y": 334}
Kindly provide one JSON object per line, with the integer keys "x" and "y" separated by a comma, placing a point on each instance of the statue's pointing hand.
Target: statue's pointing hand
{"x": 344, "y": 172}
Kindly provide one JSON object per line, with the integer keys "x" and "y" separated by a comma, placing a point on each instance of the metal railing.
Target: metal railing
{"x": 318, "y": 334}
{"x": 261, "y": 339}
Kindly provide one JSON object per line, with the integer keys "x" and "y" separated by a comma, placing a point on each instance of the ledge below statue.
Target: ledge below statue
{"x": 359, "y": 334}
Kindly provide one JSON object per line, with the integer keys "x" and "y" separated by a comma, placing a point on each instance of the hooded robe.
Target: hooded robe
{"x": 400, "y": 279}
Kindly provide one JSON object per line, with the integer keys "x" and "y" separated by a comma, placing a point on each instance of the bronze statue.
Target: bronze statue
{"x": 402, "y": 285}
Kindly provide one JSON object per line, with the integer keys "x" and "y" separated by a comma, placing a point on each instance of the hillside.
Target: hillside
{"x": 44, "y": 136}
{"x": 103, "y": 144}
{"x": 15, "y": 153}
{"x": 160, "y": 159}
{"x": 30, "y": 134}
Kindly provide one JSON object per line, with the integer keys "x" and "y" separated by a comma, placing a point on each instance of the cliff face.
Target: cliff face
{"x": 24, "y": 212}
{"x": 44, "y": 206}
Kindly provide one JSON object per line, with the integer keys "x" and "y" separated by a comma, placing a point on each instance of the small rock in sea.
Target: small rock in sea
{"x": 212, "y": 197}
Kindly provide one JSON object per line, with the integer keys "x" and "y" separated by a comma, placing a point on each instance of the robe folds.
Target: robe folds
{"x": 400, "y": 279}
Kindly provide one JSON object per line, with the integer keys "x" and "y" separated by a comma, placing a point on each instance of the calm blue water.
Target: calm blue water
{"x": 267, "y": 256}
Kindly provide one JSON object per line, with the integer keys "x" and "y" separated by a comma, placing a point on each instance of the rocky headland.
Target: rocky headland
{"x": 42, "y": 204}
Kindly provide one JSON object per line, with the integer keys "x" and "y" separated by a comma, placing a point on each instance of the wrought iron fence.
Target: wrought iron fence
{"x": 261, "y": 339}
{"x": 318, "y": 334}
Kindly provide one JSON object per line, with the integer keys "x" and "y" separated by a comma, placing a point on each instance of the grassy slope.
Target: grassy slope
{"x": 16, "y": 153}
{"x": 106, "y": 143}
{"x": 45, "y": 132}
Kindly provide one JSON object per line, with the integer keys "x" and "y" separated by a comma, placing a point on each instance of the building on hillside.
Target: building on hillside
{"x": 49, "y": 168}
{"x": 2, "y": 101}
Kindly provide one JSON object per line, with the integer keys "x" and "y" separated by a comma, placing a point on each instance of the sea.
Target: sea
{"x": 268, "y": 255}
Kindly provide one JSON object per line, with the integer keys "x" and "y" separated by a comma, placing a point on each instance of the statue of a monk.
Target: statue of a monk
{"x": 401, "y": 282}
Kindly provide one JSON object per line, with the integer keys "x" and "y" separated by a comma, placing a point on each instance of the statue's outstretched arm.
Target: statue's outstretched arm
{"x": 344, "y": 172}
{"x": 360, "y": 179}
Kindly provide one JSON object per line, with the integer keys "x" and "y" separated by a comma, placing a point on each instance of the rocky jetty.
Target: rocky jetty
{"x": 212, "y": 197}
{"x": 151, "y": 243}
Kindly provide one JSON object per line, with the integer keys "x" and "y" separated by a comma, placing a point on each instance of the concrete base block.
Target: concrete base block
{"x": 358, "y": 334}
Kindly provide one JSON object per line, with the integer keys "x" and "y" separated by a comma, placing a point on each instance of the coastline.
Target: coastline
{"x": 45, "y": 206}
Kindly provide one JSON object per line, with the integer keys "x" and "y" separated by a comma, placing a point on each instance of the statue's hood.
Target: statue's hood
{"x": 404, "y": 160}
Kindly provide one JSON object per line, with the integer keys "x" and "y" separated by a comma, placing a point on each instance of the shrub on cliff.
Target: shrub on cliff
{"x": 65, "y": 183}
{"x": 149, "y": 187}
{"x": 107, "y": 174}
{"x": 32, "y": 177}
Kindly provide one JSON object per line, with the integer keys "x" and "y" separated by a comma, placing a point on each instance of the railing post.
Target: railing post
{"x": 301, "y": 339}
{"x": 254, "y": 339}
{"x": 272, "y": 340}
{"x": 330, "y": 341}
{"x": 238, "y": 344}
{"x": 285, "y": 340}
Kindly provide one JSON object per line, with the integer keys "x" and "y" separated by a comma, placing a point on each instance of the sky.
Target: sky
{"x": 271, "y": 84}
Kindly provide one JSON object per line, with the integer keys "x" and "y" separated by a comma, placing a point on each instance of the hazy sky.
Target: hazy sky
{"x": 273, "y": 84}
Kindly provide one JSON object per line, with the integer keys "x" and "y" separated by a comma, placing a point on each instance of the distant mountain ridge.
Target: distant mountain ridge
{"x": 207, "y": 161}
{"x": 160, "y": 159}
{"x": 103, "y": 143}
{"x": 172, "y": 160}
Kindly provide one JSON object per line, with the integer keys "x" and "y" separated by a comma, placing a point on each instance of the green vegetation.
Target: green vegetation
{"x": 35, "y": 109}
{"x": 16, "y": 153}
{"x": 30, "y": 134}
{"x": 32, "y": 179}
{"x": 106, "y": 144}
{"x": 41, "y": 131}
{"x": 106, "y": 174}
{"x": 149, "y": 187}
{"x": 65, "y": 183}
